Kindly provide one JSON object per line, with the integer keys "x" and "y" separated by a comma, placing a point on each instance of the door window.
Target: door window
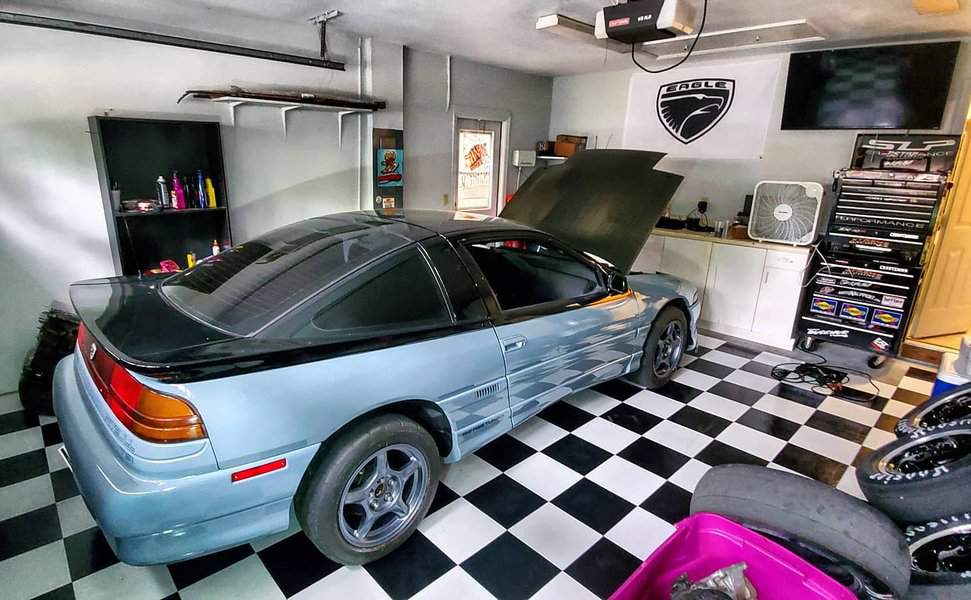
{"x": 527, "y": 272}
{"x": 477, "y": 165}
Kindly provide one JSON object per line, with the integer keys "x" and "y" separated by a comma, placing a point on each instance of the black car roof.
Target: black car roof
{"x": 444, "y": 222}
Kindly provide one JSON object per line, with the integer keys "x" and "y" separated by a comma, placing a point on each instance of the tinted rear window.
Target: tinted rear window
{"x": 246, "y": 287}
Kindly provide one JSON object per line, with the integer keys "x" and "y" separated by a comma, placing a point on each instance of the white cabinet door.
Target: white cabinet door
{"x": 734, "y": 278}
{"x": 649, "y": 260}
{"x": 687, "y": 259}
{"x": 779, "y": 294}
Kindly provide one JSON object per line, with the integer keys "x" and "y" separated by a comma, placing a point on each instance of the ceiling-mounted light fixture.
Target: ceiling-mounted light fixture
{"x": 937, "y": 7}
{"x": 742, "y": 38}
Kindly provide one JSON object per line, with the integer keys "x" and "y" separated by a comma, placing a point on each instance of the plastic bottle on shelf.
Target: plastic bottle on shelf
{"x": 215, "y": 247}
{"x": 210, "y": 193}
{"x": 178, "y": 191}
{"x": 162, "y": 192}
{"x": 200, "y": 191}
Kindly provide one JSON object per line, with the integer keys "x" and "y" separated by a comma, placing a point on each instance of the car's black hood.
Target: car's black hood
{"x": 605, "y": 202}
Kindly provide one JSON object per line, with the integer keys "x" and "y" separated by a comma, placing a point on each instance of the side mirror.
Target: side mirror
{"x": 617, "y": 283}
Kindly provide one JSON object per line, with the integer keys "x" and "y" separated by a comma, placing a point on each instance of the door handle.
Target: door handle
{"x": 511, "y": 344}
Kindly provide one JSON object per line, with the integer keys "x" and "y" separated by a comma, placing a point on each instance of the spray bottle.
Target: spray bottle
{"x": 210, "y": 194}
{"x": 178, "y": 191}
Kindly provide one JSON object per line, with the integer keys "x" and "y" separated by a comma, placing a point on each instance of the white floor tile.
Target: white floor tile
{"x": 34, "y": 572}
{"x": 25, "y": 496}
{"x": 351, "y": 583}
{"x": 74, "y": 516}
{"x": 654, "y": 403}
{"x": 688, "y": 476}
{"x": 916, "y": 385}
{"x": 896, "y": 408}
{"x": 467, "y": 474}
{"x": 787, "y": 409}
{"x": 46, "y": 419}
{"x": 848, "y": 484}
{"x": 544, "y": 476}
{"x": 19, "y": 442}
{"x": 725, "y": 358}
{"x": 695, "y": 379}
{"x": 772, "y": 465}
{"x": 131, "y": 583}
{"x": 751, "y": 381}
{"x": 877, "y": 438}
{"x": 460, "y": 529}
{"x": 884, "y": 390}
{"x": 709, "y": 342}
{"x": 563, "y": 587}
{"x": 55, "y": 462}
{"x": 454, "y": 584}
{"x": 606, "y": 435}
{"x": 640, "y": 533}
{"x": 717, "y": 405}
{"x": 246, "y": 580}
{"x": 537, "y": 433}
{"x": 9, "y": 403}
{"x": 555, "y": 535}
{"x": 678, "y": 437}
{"x": 826, "y": 444}
{"x": 627, "y": 480}
{"x": 591, "y": 401}
{"x": 686, "y": 359}
{"x": 849, "y": 410}
{"x": 768, "y": 358}
{"x": 754, "y": 442}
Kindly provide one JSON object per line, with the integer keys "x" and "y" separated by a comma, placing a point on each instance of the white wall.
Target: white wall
{"x": 524, "y": 98}
{"x": 595, "y": 104}
{"x": 52, "y": 228}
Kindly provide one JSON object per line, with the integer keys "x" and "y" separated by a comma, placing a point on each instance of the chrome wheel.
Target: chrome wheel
{"x": 927, "y": 453}
{"x": 947, "y": 551}
{"x": 383, "y": 496}
{"x": 670, "y": 346}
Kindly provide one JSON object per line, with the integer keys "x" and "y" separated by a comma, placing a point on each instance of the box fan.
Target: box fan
{"x": 786, "y": 212}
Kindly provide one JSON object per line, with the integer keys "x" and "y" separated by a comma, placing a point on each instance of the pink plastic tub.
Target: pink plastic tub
{"x": 704, "y": 543}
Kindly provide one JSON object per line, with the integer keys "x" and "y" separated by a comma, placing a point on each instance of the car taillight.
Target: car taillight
{"x": 149, "y": 414}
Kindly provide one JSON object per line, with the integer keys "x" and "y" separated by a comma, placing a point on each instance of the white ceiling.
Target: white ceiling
{"x": 502, "y": 32}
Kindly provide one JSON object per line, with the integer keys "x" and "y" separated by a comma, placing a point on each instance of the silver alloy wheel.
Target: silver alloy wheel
{"x": 383, "y": 496}
{"x": 670, "y": 346}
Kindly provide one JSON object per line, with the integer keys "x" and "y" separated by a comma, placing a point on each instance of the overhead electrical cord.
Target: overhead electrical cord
{"x": 694, "y": 42}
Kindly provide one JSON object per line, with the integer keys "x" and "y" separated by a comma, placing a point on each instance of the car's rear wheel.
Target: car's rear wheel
{"x": 369, "y": 488}
{"x": 664, "y": 348}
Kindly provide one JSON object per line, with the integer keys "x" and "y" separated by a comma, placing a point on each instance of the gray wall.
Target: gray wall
{"x": 595, "y": 105}
{"x": 428, "y": 124}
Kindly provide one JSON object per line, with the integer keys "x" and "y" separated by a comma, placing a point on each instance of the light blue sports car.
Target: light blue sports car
{"x": 332, "y": 366}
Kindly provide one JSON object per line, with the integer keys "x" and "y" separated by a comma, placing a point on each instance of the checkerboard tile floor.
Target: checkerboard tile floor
{"x": 566, "y": 506}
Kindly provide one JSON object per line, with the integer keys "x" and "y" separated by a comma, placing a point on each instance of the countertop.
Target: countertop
{"x": 708, "y": 237}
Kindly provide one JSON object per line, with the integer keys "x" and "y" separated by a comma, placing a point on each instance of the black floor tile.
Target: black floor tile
{"x": 580, "y": 455}
{"x": 810, "y": 464}
{"x": 495, "y": 565}
{"x": 592, "y": 505}
{"x": 869, "y": 397}
{"x": 758, "y": 368}
{"x": 929, "y": 376}
{"x": 861, "y": 456}
{"x": 17, "y": 421}
{"x": 770, "y": 424}
{"x": 909, "y": 397}
{"x": 710, "y": 368}
{"x": 699, "y": 351}
{"x": 410, "y": 568}
{"x": 187, "y": 572}
{"x": 797, "y": 394}
{"x": 740, "y": 394}
{"x": 565, "y": 415}
{"x": 678, "y": 391}
{"x": 295, "y": 563}
{"x": 654, "y": 457}
{"x": 22, "y": 467}
{"x": 700, "y": 421}
{"x": 670, "y": 502}
{"x": 603, "y": 568}
{"x": 65, "y": 592}
{"x": 717, "y": 453}
{"x": 631, "y": 418}
{"x": 28, "y": 531}
{"x": 504, "y": 452}
{"x": 87, "y": 553}
{"x": 887, "y": 423}
{"x": 618, "y": 389}
{"x": 443, "y": 497}
{"x": 52, "y": 434}
{"x": 838, "y": 426}
{"x": 505, "y": 500}
{"x": 739, "y": 350}
{"x": 63, "y": 483}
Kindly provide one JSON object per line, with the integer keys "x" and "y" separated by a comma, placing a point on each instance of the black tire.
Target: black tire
{"x": 838, "y": 533}
{"x": 646, "y": 375}
{"x": 318, "y": 501}
{"x": 897, "y": 480}
{"x": 950, "y": 535}
{"x": 948, "y": 407}
{"x": 939, "y": 592}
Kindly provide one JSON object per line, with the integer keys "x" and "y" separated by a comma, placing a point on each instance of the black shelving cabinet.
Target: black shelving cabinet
{"x": 131, "y": 153}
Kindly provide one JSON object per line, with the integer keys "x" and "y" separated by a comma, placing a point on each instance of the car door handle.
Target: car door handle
{"x": 511, "y": 344}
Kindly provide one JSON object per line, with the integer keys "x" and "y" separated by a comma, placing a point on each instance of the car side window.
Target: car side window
{"x": 525, "y": 272}
{"x": 396, "y": 296}
{"x": 462, "y": 293}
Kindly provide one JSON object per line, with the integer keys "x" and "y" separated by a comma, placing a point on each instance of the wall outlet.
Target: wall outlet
{"x": 444, "y": 199}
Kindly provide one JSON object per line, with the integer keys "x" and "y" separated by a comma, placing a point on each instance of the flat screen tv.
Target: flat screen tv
{"x": 882, "y": 87}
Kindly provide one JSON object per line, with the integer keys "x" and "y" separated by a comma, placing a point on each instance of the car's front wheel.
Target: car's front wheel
{"x": 664, "y": 348}
{"x": 369, "y": 488}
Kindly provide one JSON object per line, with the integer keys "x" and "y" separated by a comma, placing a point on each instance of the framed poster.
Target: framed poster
{"x": 476, "y": 173}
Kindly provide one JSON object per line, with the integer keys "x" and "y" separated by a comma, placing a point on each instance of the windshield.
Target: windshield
{"x": 245, "y": 288}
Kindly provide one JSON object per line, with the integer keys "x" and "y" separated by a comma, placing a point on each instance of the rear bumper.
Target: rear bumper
{"x": 151, "y": 520}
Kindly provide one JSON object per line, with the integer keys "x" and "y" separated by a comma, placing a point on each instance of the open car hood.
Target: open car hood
{"x": 605, "y": 202}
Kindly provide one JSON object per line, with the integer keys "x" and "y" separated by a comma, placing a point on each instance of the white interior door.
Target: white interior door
{"x": 477, "y": 167}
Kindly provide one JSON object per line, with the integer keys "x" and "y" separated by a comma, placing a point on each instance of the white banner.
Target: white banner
{"x": 708, "y": 111}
